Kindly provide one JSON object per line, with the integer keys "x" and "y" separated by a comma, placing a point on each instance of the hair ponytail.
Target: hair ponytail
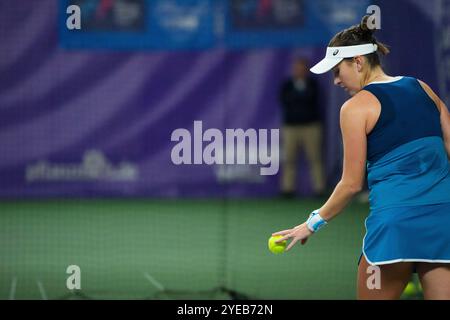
{"x": 360, "y": 34}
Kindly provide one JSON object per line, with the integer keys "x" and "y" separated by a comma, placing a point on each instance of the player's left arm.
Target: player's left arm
{"x": 353, "y": 121}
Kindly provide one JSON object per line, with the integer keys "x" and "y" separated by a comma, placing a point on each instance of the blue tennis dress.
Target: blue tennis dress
{"x": 408, "y": 175}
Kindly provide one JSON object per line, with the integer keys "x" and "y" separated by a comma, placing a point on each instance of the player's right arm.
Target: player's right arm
{"x": 444, "y": 115}
{"x": 353, "y": 122}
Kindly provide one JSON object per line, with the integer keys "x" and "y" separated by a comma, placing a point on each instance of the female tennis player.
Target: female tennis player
{"x": 398, "y": 130}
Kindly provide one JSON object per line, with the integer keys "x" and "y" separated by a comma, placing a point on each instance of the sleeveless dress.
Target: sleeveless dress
{"x": 408, "y": 175}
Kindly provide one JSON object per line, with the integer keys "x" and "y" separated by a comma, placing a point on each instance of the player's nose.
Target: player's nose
{"x": 337, "y": 81}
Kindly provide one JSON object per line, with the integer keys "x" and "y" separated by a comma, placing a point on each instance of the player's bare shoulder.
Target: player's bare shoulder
{"x": 363, "y": 106}
{"x": 363, "y": 101}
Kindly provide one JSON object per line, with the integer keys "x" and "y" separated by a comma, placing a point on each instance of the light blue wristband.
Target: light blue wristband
{"x": 315, "y": 221}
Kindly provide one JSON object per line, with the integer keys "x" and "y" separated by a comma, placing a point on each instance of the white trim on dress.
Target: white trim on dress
{"x": 386, "y": 81}
{"x": 395, "y": 260}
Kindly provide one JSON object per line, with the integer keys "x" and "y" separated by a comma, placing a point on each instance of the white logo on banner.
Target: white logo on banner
{"x": 94, "y": 167}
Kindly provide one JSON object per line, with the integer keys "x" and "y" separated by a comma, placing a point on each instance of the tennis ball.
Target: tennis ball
{"x": 277, "y": 247}
{"x": 410, "y": 289}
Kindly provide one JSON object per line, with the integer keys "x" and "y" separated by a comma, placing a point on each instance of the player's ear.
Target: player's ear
{"x": 359, "y": 60}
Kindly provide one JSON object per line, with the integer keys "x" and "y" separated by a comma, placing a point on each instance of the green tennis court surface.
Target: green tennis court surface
{"x": 174, "y": 249}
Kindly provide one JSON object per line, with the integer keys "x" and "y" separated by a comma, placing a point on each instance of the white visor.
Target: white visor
{"x": 335, "y": 55}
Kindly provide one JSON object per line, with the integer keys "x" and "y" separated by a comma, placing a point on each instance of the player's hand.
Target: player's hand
{"x": 300, "y": 232}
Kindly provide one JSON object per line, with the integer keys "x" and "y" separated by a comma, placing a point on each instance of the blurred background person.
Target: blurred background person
{"x": 302, "y": 128}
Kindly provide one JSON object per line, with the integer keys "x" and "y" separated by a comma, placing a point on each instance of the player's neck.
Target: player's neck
{"x": 377, "y": 75}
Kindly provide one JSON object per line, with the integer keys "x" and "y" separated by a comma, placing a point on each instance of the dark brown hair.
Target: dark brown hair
{"x": 360, "y": 34}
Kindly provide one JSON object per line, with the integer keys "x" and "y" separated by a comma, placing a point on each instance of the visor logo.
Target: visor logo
{"x": 335, "y": 52}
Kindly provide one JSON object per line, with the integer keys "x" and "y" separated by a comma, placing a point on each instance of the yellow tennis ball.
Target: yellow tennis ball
{"x": 410, "y": 289}
{"x": 277, "y": 247}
